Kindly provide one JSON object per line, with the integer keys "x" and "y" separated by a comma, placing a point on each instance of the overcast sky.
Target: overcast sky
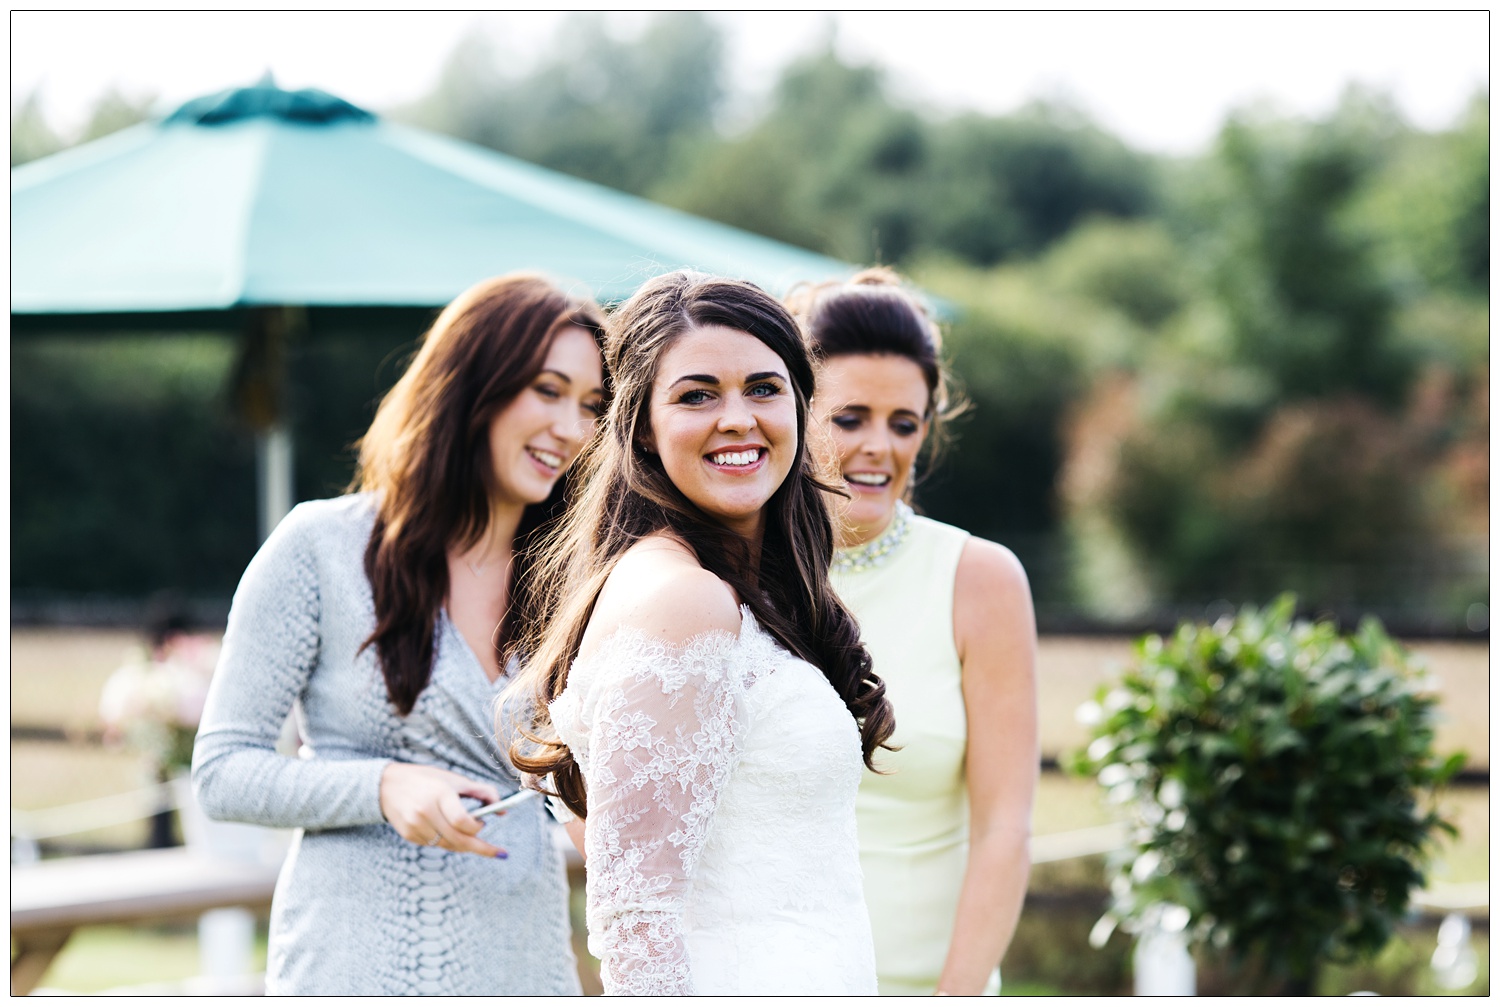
{"x": 1162, "y": 82}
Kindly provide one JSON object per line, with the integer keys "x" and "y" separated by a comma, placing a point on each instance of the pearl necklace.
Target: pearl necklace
{"x": 859, "y": 558}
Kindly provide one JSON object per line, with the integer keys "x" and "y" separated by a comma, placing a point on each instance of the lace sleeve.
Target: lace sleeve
{"x": 662, "y": 742}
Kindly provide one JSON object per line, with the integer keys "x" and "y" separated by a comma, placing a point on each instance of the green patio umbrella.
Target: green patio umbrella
{"x": 278, "y": 214}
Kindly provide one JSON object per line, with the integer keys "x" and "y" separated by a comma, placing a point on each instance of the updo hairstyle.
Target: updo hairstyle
{"x": 873, "y": 313}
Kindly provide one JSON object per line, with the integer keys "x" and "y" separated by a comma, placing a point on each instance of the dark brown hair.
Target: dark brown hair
{"x": 627, "y": 495}
{"x": 873, "y": 313}
{"x": 427, "y": 456}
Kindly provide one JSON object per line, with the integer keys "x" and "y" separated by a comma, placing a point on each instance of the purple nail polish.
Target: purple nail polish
{"x": 501, "y": 855}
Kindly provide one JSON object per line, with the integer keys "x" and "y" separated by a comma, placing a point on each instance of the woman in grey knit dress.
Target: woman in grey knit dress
{"x": 380, "y": 616}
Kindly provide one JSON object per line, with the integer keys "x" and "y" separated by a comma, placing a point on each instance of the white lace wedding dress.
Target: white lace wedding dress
{"x": 722, "y": 854}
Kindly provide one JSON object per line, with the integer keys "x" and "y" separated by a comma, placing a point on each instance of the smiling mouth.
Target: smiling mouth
{"x": 547, "y": 458}
{"x": 737, "y": 459}
{"x": 874, "y": 479}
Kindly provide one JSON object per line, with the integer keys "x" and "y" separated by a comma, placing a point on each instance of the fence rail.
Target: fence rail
{"x": 1053, "y": 619}
{"x": 31, "y": 828}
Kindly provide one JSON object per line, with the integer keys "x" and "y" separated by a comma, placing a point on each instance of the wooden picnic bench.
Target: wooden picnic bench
{"x": 52, "y": 898}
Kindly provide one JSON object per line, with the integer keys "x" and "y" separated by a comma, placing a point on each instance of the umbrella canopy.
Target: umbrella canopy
{"x": 259, "y": 196}
{"x": 280, "y": 215}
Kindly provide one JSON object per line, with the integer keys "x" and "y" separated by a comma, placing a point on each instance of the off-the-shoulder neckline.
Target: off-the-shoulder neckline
{"x": 749, "y": 627}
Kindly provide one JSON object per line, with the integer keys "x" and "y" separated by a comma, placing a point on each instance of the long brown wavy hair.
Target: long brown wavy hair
{"x": 626, "y": 495}
{"x": 427, "y": 457}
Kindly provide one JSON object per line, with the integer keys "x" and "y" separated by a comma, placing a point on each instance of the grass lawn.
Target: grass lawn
{"x": 104, "y": 958}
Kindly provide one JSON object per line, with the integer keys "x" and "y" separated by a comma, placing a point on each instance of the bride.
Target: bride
{"x": 702, "y": 699}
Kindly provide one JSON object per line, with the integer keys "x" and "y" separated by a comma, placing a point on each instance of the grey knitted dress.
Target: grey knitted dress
{"x": 358, "y": 909}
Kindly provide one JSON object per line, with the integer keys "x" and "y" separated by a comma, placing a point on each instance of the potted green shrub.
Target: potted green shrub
{"x": 1280, "y": 778}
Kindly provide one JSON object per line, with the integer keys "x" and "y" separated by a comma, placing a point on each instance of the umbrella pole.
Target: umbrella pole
{"x": 260, "y": 391}
{"x": 273, "y": 462}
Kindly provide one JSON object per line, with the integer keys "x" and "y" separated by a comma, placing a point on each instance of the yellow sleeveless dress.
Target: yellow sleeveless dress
{"x": 913, "y": 821}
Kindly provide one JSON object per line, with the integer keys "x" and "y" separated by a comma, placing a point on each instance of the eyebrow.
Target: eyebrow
{"x": 854, "y": 407}
{"x": 566, "y": 377}
{"x": 709, "y": 379}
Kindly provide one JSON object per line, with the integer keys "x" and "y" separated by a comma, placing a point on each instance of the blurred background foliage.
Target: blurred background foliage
{"x": 1194, "y": 380}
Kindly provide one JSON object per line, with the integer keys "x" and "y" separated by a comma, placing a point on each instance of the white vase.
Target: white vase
{"x": 1164, "y": 966}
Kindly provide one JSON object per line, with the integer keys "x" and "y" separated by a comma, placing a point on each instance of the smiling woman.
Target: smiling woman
{"x": 543, "y": 424}
{"x": 701, "y": 698}
{"x": 948, "y": 622}
{"x": 726, "y": 428}
{"x": 380, "y": 615}
{"x": 878, "y": 428}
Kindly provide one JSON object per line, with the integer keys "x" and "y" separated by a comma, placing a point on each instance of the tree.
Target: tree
{"x": 831, "y": 165}
{"x": 31, "y": 136}
{"x": 617, "y": 112}
{"x": 1427, "y": 208}
{"x": 1018, "y": 373}
{"x": 1305, "y": 302}
{"x": 1271, "y": 437}
{"x": 1008, "y": 187}
{"x": 114, "y": 110}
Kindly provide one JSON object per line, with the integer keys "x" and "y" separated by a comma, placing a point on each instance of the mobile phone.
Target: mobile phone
{"x": 518, "y": 797}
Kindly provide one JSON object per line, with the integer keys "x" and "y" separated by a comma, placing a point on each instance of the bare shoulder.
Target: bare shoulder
{"x": 659, "y": 588}
{"x": 988, "y": 569}
{"x": 992, "y": 606}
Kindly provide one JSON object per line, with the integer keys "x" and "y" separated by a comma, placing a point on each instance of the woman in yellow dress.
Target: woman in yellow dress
{"x": 948, "y": 620}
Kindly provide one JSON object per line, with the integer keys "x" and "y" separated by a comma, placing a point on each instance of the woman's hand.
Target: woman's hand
{"x": 422, "y": 804}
